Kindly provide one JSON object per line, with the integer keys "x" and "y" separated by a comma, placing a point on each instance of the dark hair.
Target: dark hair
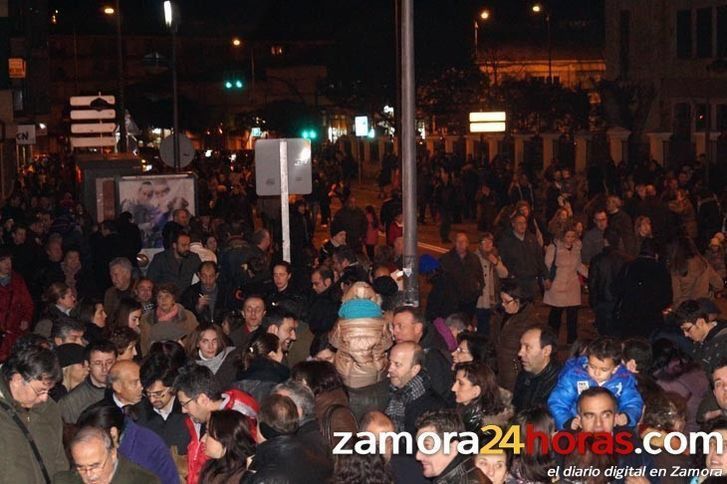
{"x": 596, "y": 392}
{"x": 172, "y": 350}
{"x": 512, "y": 288}
{"x": 54, "y": 292}
{"x": 639, "y": 350}
{"x": 684, "y": 249}
{"x": 715, "y": 425}
{"x": 168, "y": 288}
{"x": 100, "y": 346}
{"x": 324, "y": 271}
{"x": 662, "y": 410}
{"x": 479, "y": 374}
{"x": 605, "y": 347}
{"x": 234, "y": 319}
{"x": 278, "y": 415}
{"x": 157, "y": 367}
{"x": 321, "y": 342}
{"x": 30, "y": 340}
{"x": 285, "y": 264}
{"x": 231, "y": 429}
{"x": 361, "y": 469}
{"x": 120, "y": 318}
{"x": 444, "y": 420}
{"x": 87, "y": 311}
{"x": 547, "y": 336}
{"x": 103, "y": 416}
{"x": 258, "y": 236}
{"x": 62, "y": 326}
{"x": 33, "y": 363}
{"x": 416, "y": 313}
{"x": 480, "y": 348}
{"x": 344, "y": 253}
{"x": 320, "y": 376}
{"x": 533, "y": 466}
{"x": 276, "y": 316}
{"x": 259, "y": 347}
{"x": 194, "y": 380}
{"x": 689, "y": 312}
{"x": 122, "y": 337}
{"x": 612, "y": 236}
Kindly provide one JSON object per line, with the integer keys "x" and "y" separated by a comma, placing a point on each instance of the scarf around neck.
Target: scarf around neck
{"x": 396, "y": 409}
{"x": 162, "y": 317}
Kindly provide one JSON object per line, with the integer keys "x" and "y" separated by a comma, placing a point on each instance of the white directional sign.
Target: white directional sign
{"x": 91, "y": 115}
{"x": 268, "y": 171}
{"x": 25, "y": 134}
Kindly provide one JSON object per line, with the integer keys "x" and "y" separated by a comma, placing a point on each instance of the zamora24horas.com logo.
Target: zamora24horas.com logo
{"x": 511, "y": 439}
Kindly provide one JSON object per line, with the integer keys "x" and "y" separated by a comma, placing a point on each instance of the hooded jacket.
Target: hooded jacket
{"x": 574, "y": 379}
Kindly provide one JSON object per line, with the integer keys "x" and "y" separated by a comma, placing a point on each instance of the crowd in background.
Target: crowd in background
{"x": 219, "y": 362}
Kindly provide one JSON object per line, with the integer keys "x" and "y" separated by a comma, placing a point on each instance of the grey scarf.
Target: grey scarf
{"x": 396, "y": 409}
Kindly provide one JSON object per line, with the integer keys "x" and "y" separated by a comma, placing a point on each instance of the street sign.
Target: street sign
{"x": 488, "y": 122}
{"x": 267, "y": 166}
{"x": 361, "y": 124}
{"x": 94, "y": 112}
{"x": 25, "y": 134}
{"x": 16, "y": 68}
{"x": 186, "y": 151}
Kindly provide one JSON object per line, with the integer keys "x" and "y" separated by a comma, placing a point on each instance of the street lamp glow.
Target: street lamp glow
{"x": 109, "y": 10}
{"x": 236, "y": 42}
{"x": 537, "y": 8}
{"x": 485, "y": 14}
{"x": 168, "y": 18}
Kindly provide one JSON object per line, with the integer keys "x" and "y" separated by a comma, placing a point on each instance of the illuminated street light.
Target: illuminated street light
{"x": 168, "y": 15}
{"x": 236, "y": 42}
{"x": 485, "y": 14}
{"x": 109, "y": 10}
{"x": 537, "y": 8}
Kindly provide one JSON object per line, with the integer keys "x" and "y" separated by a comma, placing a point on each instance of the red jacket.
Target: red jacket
{"x": 234, "y": 400}
{"x": 16, "y": 306}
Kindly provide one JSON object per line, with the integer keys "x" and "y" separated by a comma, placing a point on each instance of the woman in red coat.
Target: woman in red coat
{"x": 16, "y": 305}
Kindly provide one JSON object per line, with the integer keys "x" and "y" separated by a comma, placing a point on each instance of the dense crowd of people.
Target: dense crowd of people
{"x": 219, "y": 362}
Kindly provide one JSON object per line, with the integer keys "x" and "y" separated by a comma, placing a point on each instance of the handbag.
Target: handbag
{"x": 553, "y": 269}
{"x": 29, "y": 438}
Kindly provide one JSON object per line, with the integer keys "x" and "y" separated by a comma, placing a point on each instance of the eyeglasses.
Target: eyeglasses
{"x": 93, "y": 468}
{"x": 461, "y": 350}
{"x": 507, "y": 301}
{"x": 184, "y": 404}
{"x": 38, "y": 393}
{"x": 157, "y": 395}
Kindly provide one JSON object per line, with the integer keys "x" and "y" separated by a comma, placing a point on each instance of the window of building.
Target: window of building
{"x": 276, "y": 50}
{"x": 624, "y": 27}
{"x": 704, "y": 32}
{"x": 721, "y": 117}
{"x": 722, "y": 31}
{"x": 682, "y": 120}
{"x": 684, "y": 34}
{"x": 700, "y": 120}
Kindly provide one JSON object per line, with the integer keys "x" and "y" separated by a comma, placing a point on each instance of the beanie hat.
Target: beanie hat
{"x": 69, "y": 354}
{"x": 359, "y": 308}
{"x": 428, "y": 264}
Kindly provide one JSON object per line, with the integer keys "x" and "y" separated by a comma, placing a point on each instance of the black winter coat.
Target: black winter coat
{"x": 532, "y": 390}
{"x": 602, "y": 273}
{"x": 643, "y": 291}
{"x": 173, "y": 430}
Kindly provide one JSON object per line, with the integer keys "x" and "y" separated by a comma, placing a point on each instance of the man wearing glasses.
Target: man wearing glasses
{"x": 96, "y": 461}
{"x": 27, "y": 414}
{"x": 161, "y": 411}
{"x": 100, "y": 356}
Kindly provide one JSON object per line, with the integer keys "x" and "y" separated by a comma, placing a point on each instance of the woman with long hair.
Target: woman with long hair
{"x": 493, "y": 270}
{"x": 169, "y": 321}
{"x": 228, "y": 445}
{"x": 479, "y": 399}
{"x": 692, "y": 277}
{"x": 209, "y": 346}
{"x": 261, "y": 366}
{"x": 563, "y": 287}
{"x": 93, "y": 315}
{"x": 474, "y": 347}
{"x": 533, "y": 466}
{"x": 127, "y": 314}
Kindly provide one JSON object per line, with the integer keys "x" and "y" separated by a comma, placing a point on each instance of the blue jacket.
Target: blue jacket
{"x": 147, "y": 450}
{"x": 574, "y": 379}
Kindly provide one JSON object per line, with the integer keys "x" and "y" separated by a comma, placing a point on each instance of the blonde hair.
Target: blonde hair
{"x": 361, "y": 290}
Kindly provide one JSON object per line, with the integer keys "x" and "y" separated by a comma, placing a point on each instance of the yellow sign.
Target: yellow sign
{"x": 16, "y": 68}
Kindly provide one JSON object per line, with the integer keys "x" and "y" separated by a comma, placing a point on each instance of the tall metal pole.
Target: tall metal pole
{"x": 175, "y": 99}
{"x": 476, "y": 47}
{"x": 397, "y": 107}
{"x": 550, "y": 50}
{"x": 408, "y": 152}
{"x": 121, "y": 113}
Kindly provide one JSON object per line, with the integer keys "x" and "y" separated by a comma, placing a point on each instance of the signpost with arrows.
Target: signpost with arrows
{"x": 92, "y": 120}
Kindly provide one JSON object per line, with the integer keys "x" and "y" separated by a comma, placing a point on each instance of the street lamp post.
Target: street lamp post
{"x": 120, "y": 105}
{"x": 172, "y": 22}
{"x": 483, "y": 15}
{"x": 537, "y": 9}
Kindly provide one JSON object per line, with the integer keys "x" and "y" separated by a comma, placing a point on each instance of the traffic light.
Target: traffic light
{"x": 234, "y": 80}
{"x": 309, "y": 134}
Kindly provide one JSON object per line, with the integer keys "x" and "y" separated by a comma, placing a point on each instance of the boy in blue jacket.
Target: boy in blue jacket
{"x": 600, "y": 366}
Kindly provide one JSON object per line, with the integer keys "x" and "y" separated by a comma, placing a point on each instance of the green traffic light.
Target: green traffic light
{"x": 228, "y": 85}
{"x": 313, "y": 135}
{"x": 238, "y": 84}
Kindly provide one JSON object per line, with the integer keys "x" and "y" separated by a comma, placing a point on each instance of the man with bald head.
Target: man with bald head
{"x": 125, "y": 383}
{"x": 411, "y": 391}
{"x": 97, "y": 461}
